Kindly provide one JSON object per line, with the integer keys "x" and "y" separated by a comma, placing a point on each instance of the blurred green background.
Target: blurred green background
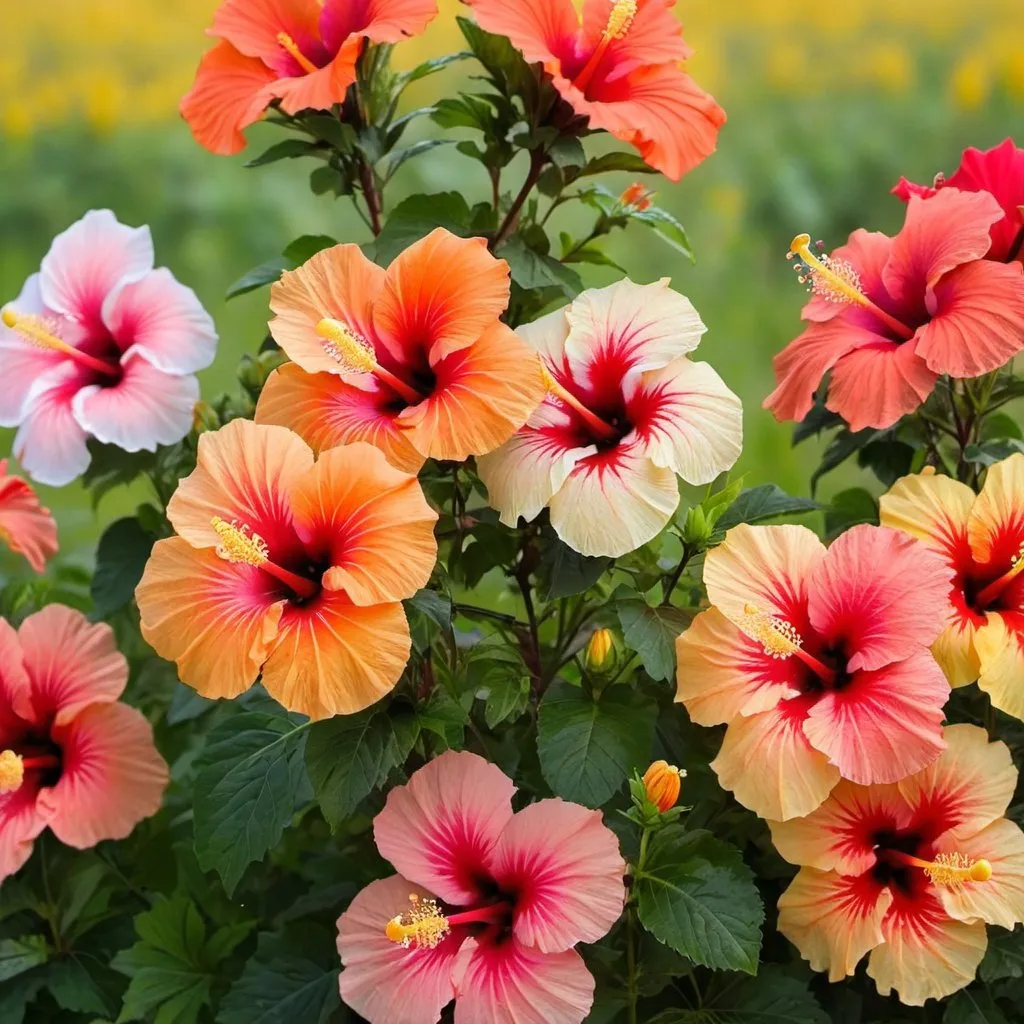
{"x": 828, "y": 104}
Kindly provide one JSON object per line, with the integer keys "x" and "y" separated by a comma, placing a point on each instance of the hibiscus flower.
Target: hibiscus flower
{"x": 301, "y": 53}
{"x": 981, "y": 539}
{"x": 291, "y": 568}
{"x": 487, "y": 906}
{"x": 818, "y": 661}
{"x": 620, "y": 69}
{"x": 72, "y": 759}
{"x": 998, "y": 171}
{"x": 911, "y": 872}
{"x": 101, "y": 345}
{"x": 25, "y": 526}
{"x": 889, "y": 315}
{"x": 626, "y": 411}
{"x": 412, "y": 359}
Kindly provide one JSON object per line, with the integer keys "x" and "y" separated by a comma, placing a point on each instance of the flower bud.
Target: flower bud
{"x": 663, "y": 782}
{"x": 599, "y": 648}
{"x": 204, "y": 417}
{"x": 637, "y": 197}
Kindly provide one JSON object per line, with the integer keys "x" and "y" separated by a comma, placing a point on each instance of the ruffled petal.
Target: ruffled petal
{"x": 50, "y": 443}
{"x": 881, "y": 595}
{"x": 769, "y": 765}
{"x": 654, "y": 37}
{"x": 112, "y": 776}
{"x": 252, "y": 26}
{"x": 1000, "y": 648}
{"x": 996, "y": 521}
{"x": 215, "y": 619}
{"x": 722, "y": 673}
{"x": 440, "y": 829}
{"x": 484, "y": 393}
{"x": 383, "y": 21}
{"x": 363, "y": 512}
{"x": 833, "y": 920}
{"x": 320, "y": 89}
{"x": 547, "y": 336}
{"x": 25, "y": 526}
{"x": 543, "y": 30}
{"x": 15, "y": 685}
{"x": 381, "y": 981}
{"x": 20, "y": 824}
{"x": 72, "y": 663}
{"x": 514, "y": 984}
{"x": 564, "y": 865}
{"x": 331, "y": 657}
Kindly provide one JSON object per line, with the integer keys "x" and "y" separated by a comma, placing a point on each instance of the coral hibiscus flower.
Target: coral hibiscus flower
{"x": 412, "y": 359}
{"x": 99, "y": 344}
{"x": 626, "y": 411}
{"x": 910, "y": 872}
{"x": 981, "y": 539}
{"x": 71, "y": 757}
{"x": 487, "y": 905}
{"x": 25, "y": 526}
{"x": 302, "y": 53}
{"x": 289, "y": 567}
{"x": 998, "y": 171}
{"x": 620, "y": 69}
{"x": 818, "y": 661}
{"x": 888, "y": 315}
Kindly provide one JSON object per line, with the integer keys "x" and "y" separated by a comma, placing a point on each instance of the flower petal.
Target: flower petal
{"x": 833, "y": 920}
{"x": 440, "y": 829}
{"x": 252, "y": 26}
{"x": 880, "y": 594}
{"x": 511, "y": 983}
{"x": 50, "y": 443}
{"x": 383, "y": 21}
{"x": 543, "y": 30}
{"x": 381, "y": 981}
{"x": 320, "y": 89}
{"x": 654, "y": 36}
{"x": 564, "y": 865}
{"x": 112, "y": 776}
{"x": 215, "y": 619}
{"x": 15, "y": 685}
{"x": 996, "y": 523}
{"x": 768, "y": 764}
{"x": 868, "y": 252}
{"x": 20, "y": 824}
{"x": 25, "y": 526}
{"x": 331, "y": 657}
{"x": 1000, "y": 648}
{"x": 364, "y": 512}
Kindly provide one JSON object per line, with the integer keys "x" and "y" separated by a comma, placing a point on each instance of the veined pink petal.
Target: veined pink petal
{"x": 50, "y": 443}
{"x": 868, "y": 253}
{"x": 25, "y": 526}
{"x": 20, "y": 824}
{"x": 15, "y": 685}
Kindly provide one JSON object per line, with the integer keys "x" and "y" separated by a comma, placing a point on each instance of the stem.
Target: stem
{"x": 508, "y": 225}
{"x": 371, "y": 195}
{"x": 471, "y": 611}
{"x": 631, "y": 973}
{"x": 669, "y": 585}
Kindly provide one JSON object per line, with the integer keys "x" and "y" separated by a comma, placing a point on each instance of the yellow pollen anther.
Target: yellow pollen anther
{"x": 778, "y": 637}
{"x": 12, "y": 772}
{"x": 346, "y": 347}
{"x": 954, "y": 870}
{"x": 35, "y": 329}
{"x": 291, "y": 47}
{"x": 832, "y": 279}
{"x": 422, "y": 925}
{"x": 620, "y": 19}
{"x": 239, "y": 543}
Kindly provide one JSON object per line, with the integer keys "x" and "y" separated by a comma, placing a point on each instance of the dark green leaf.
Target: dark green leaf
{"x": 990, "y": 452}
{"x": 887, "y": 457}
{"x": 850, "y": 508}
{"x": 589, "y": 747}
{"x": 652, "y": 633}
{"x": 110, "y": 467}
{"x": 20, "y": 955}
{"x": 668, "y": 227}
{"x": 16, "y": 994}
{"x": 416, "y": 217}
{"x": 503, "y": 62}
{"x": 817, "y": 420}
{"x": 324, "y": 180}
{"x": 401, "y": 156}
{"x": 429, "y": 613}
{"x": 84, "y": 986}
{"x": 531, "y": 269}
{"x": 617, "y": 162}
{"x": 259, "y": 277}
{"x": 286, "y": 150}
{"x": 305, "y": 247}
{"x": 567, "y": 151}
{"x": 337, "y": 133}
{"x": 764, "y": 502}
{"x": 508, "y": 692}
{"x": 696, "y": 895}
{"x": 250, "y": 782}
{"x": 973, "y": 1005}
{"x": 431, "y": 67}
{"x": 566, "y": 572}
{"x": 120, "y": 558}
{"x": 1004, "y": 957}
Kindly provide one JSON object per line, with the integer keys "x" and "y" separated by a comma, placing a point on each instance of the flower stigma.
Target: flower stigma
{"x": 290, "y": 47}
{"x": 948, "y": 870}
{"x": 422, "y": 925}
{"x": 780, "y": 639}
{"x": 354, "y": 354}
{"x": 620, "y": 20}
{"x": 242, "y": 546}
{"x": 12, "y": 772}
{"x": 42, "y": 332}
{"x": 993, "y": 590}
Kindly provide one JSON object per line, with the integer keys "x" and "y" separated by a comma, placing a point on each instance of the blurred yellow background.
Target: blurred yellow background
{"x": 828, "y": 104}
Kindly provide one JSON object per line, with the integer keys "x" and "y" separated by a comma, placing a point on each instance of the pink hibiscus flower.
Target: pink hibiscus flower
{"x": 99, "y": 344}
{"x": 889, "y": 315}
{"x": 998, "y": 171}
{"x": 487, "y": 907}
{"x": 71, "y": 757}
{"x": 25, "y": 526}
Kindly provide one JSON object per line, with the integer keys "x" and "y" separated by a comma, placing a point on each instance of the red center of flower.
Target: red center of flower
{"x": 239, "y": 544}
{"x": 43, "y": 332}
{"x": 30, "y": 756}
{"x": 620, "y": 19}
{"x": 990, "y": 594}
{"x": 906, "y": 860}
{"x": 425, "y": 926}
{"x": 292, "y": 49}
{"x": 780, "y": 639}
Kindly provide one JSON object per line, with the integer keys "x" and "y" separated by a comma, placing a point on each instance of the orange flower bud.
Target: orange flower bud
{"x": 663, "y": 782}
{"x": 637, "y": 196}
{"x": 599, "y": 648}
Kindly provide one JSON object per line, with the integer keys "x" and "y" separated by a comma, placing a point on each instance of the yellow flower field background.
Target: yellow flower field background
{"x": 828, "y": 103}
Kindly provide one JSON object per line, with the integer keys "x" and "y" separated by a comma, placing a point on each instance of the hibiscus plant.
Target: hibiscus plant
{"x": 447, "y": 670}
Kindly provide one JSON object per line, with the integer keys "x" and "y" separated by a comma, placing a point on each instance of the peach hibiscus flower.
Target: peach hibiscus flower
{"x": 626, "y": 411}
{"x": 487, "y": 907}
{"x": 981, "y": 539}
{"x": 412, "y": 359}
{"x": 72, "y": 758}
{"x": 889, "y": 315}
{"x": 301, "y": 53}
{"x": 910, "y": 873}
{"x": 288, "y": 567}
{"x": 25, "y": 526}
{"x": 818, "y": 661}
{"x": 620, "y": 69}
{"x": 99, "y": 344}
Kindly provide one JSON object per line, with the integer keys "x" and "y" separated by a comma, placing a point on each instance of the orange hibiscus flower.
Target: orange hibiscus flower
{"x": 300, "y": 52}
{"x": 620, "y": 68}
{"x": 413, "y": 359}
{"x": 291, "y": 568}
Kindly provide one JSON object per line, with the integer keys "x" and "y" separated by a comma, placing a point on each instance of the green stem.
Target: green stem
{"x": 631, "y": 972}
{"x": 508, "y": 225}
{"x": 669, "y": 585}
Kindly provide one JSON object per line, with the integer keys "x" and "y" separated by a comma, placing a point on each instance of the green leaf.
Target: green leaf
{"x": 668, "y": 227}
{"x": 16, "y": 994}
{"x": 20, "y": 955}
{"x": 850, "y": 508}
{"x": 120, "y": 558}
{"x": 617, "y": 162}
{"x": 350, "y": 756}
{"x": 259, "y": 277}
{"x": 250, "y": 782}
{"x": 431, "y": 67}
{"x": 305, "y": 247}
{"x": 973, "y": 1005}
{"x": 324, "y": 180}
{"x": 508, "y": 692}
{"x": 280, "y": 985}
{"x": 531, "y": 269}
{"x": 401, "y": 156}
{"x": 567, "y": 151}
{"x": 764, "y": 502}
{"x": 652, "y": 632}
{"x": 988, "y": 453}
{"x": 1004, "y": 957}
{"x": 84, "y": 986}
{"x": 416, "y": 217}
{"x": 286, "y": 150}
{"x": 429, "y": 613}
{"x": 697, "y": 896}
{"x": 502, "y": 60}
{"x": 110, "y": 467}
{"x": 337, "y": 133}
{"x": 588, "y": 747}
{"x": 566, "y": 572}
